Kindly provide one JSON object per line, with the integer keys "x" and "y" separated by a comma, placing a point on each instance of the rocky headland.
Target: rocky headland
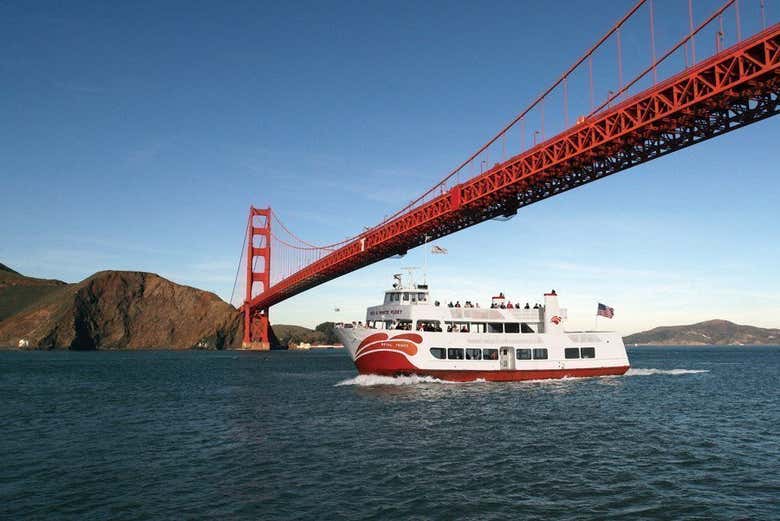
{"x": 112, "y": 310}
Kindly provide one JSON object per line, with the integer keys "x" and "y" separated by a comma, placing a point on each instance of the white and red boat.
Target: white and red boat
{"x": 411, "y": 335}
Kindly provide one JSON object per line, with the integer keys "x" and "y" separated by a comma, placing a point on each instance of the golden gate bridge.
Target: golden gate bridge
{"x": 717, "y": 79}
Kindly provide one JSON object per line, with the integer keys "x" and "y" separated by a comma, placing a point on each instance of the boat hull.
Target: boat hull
{"x": 386, "y": 363}
{"x": 498, "y": 357}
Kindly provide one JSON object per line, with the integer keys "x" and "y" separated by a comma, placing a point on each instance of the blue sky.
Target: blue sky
{"x": 136, "y": 135}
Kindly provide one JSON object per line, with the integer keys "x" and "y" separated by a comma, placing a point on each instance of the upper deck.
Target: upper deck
{"x": 411, "y": 307}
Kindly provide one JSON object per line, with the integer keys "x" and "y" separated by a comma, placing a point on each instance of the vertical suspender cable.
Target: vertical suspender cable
{"x": 522, "y": 134}
{"x": 739, "y": 24}
{"x": 690, "y": 28}
{"x": 620, "y": 60}
{"x": 590, "y": 75}
{"x": 763, "y": 14}
{"x": 566, "y": 102}
{"x": 652, "y": 42}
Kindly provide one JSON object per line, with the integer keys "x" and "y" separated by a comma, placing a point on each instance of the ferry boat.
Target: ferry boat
{"x": 408, "y": 334}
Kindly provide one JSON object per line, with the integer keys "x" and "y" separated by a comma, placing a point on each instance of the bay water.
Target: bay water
{"x": 688, "y": 433}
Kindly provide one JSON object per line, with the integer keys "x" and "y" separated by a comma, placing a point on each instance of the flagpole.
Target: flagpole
{"x": 425, "y": 260}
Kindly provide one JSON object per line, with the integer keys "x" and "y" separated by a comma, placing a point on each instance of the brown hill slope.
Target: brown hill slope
{"x": 18, "y": 292}
{"x": 711, "y": 332}
{"x": 120, "y": 309}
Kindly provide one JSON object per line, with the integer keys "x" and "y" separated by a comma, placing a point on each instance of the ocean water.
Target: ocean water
{"x": 689, "y": 433}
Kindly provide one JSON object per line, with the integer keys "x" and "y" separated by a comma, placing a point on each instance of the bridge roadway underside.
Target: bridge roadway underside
{"x": 735, "y": 88}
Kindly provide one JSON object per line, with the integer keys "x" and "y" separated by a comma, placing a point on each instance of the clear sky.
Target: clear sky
{"x": 135, "y": 136}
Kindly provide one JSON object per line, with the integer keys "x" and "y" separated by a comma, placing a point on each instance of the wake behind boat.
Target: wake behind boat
{"x": 409, "y": 334}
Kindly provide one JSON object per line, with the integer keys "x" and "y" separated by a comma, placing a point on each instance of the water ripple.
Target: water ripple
{"x": 161, "y": 435}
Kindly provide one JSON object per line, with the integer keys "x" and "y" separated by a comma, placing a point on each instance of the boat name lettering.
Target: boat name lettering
{"x": 388, "y": 312}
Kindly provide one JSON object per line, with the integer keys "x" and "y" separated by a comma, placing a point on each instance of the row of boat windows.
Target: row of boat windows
{"x": 454, "y": 327}
{"x": 406, "y": 296}
{"x": 539, "y": 353}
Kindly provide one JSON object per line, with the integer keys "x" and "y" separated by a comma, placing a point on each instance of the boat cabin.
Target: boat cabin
{"x": 409, "y": 307}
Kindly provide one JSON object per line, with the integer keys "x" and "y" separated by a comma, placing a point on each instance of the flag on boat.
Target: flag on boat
{"x": 605, "y": 311}
{"x": 438, "y": 249}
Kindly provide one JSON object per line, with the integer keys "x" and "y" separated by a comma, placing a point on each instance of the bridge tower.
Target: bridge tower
{"x": 258, "y": 270}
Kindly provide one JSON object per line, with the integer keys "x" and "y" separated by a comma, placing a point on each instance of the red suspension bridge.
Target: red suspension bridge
{"x": 641, "y": 119}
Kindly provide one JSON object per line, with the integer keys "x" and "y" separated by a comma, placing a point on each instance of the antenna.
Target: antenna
{"x": 411, "y": 270}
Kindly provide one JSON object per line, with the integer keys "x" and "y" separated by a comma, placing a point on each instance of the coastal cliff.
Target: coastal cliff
{"x": 711, "y": 332}
{"x": 114, "y": 309}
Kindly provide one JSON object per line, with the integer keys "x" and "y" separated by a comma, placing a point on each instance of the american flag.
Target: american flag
{"x": 605, "y": 311}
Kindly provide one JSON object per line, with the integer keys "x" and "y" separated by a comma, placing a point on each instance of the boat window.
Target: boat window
{"x": 540, "y": 353}
{"x": 490, "y": 354}
{"x": 428, "y": 325}
{"x": 525, "y": 328}
{"x": 421, "y": 297}
{"x": 406, "y": 297}
{"x": 495, "y": 327}
{"x": 414, "y": 297}
{"x": 404, "y": 324}
{"x": 454, "y": 353}
{"x": 572, "y": 352}
{"x": 588, "y": 352}
{"x": 511, "y": 327}
{"x": 477, "y": 327}
{"x": 437, "y": 352}
{"x": 473, "y": 354}
{"x": 396, "y": 297}
{"x": 523, "y": 354}
{"x": 461, "y": 327}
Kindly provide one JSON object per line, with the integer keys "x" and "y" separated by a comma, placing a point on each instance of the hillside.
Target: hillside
{"x": 18, "y": 292}
{"x": 711, "y": 332}
{"x": 120, "y": 309}
{"x": 283, "y": 334}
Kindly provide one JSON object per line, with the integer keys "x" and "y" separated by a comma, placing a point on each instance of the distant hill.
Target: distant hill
{"x": 711, "y": 332}
{"x": 18, "y": 292}
{"x": 114, "y": 309}
{"x": 286, "y": 333}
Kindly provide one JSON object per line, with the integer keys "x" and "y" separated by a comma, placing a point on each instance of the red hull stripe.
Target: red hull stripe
{"x": 393, "y": 364}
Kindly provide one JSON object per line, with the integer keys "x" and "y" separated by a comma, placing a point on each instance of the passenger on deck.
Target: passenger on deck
{"x": 510, "y": 306}
{"x": 517, "y": 305}
{"x": 553, "y": 292}
{"x": 457, "y": 304}
{"x": 477, "y": 305}
{"x": 464, "y": 329}
{"x": 527, "y": 306}
{"x": 449, "y": 328}
{"x": 450, "y": 305}
{"x": 536, "y": 306}
{"x": 503, "y": 306}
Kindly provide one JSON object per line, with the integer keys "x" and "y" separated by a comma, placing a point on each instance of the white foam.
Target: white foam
{"x": 644, "y": 372}
{"x": 370, "y": 380}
